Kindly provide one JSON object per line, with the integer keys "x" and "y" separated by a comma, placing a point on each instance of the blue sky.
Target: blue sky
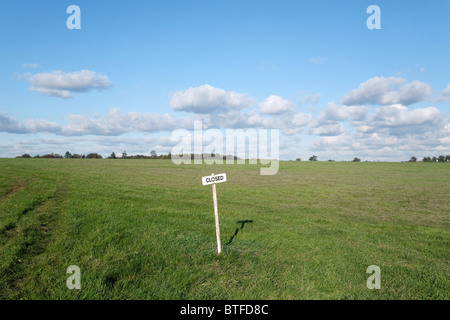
{"x": 138, "y": 70}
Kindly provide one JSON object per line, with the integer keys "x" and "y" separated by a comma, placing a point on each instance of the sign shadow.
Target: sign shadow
{"x": 243, "y": 223}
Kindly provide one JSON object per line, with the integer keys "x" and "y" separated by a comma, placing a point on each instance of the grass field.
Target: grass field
{"x": 144, "y": 229}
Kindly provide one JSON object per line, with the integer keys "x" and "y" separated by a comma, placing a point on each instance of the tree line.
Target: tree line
{"x": 125, "y": 155}
{"x": 153, "y": 155}
{"x": 95, "y": 155}
{"x": 440, "y": 158}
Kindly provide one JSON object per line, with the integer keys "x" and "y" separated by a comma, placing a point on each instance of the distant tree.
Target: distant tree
{"x": 83, "y": 157}
{"x": 298, "y": 159}
{"x": 124, "y": 155}
{"x": 313, "y": 158}
{"x": 112, "y": 156}
{"x": 434, "y": 159}
{"x": 76, "y": 156}
{"x": 426, "y": 159}
{"x": 67, "y": 155}
{"x": 94, "y": 156}
{"x": 153, "y": 154}
{"x": 355, "y": 159}
{"x": 441, "y": 158}
{"x": 447, "y": 158}
{"x": 51, "y": 155}
{"x": 25, "y": 155}
{"x": 413, "y": 159}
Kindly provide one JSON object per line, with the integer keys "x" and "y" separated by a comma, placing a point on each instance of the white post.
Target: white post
{"x": 216, "y": 216}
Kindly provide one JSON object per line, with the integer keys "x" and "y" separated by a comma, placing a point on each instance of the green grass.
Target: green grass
{"x": 144, "y": 229}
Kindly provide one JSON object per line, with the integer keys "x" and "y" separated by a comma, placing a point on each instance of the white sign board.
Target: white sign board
{"x": 217, "y": 178}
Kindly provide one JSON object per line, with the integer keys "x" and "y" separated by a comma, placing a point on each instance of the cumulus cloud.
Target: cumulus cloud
{"x": 311, "y": 99}
{"x": 275, "y": 105}
{"x": 387, "y": 131}
{"x": 41, "y": 125}
{"x": 12, "y": 125}
{"x": 301, "y": 119}
{"x": 207, "y": 99}
{"x": 330, "y": 128}
{"x": 399, "y": 120}
{"x": 381, "y": 145}
{"x": 328, "y": 123}
{"x": 336, "y": 112}
{"x": 61, "y": 84}
{"x": 445, "y": 95}
{"x": 117, "y": 123}
{"x": 295, "y": 123}
{"x": 386, "y": 91}
{"x": 113, "y": 124}
{"x": 391, "y": 132}
{"x": 240, "y": 120}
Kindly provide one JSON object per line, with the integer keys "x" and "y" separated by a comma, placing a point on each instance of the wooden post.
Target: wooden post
{"x": 216, "y": 216}
{"x": 214, "y": 179}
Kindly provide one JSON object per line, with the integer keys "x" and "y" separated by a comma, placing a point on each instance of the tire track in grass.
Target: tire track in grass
{"x": 26, "y": 239}
{"x": 20, "y": 200}
{"x": 8, "y": 228}
{"x": 17, "y": 187}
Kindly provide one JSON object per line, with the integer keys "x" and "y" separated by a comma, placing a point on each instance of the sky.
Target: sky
{"x": 136, "y": 71}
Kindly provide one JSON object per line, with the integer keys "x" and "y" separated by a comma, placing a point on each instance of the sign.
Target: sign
{"x": 218, "y": 178}
{"x": 213, "y": 179}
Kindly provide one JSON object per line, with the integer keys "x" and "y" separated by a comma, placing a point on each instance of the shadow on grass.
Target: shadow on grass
{"x": 242, "y": 222}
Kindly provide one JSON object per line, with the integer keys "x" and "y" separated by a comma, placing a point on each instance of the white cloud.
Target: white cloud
{"x": 380, "y": 146}
{"x": 386, "y": 132}
{"x": 295, "y": 123}
{"x": 311, "y": 99}
{"x": 239, "y": 120}
{"x": 335, "y": 112}
{"x": 275, "y": 105}
{"x": 117, "y": 123}
{"x": 301, "y": 119}
{"x": 59, "y": 141}
{"x": 12, "y": 125}
{"x": 391, "y": 132}
{"x": 399, "y": 120}
{"x": 328, "y": 122}
{"x": 331, "y": 128}
{"x": 445, "y": 95}
{"x": 52, "y": 92}
{"x": 30, "y": 65}
{"x": 41, "y": 125}
{"x": 410, "y": 93}
{"x": 62, "y": 84}
{"x": 123, "y": 141}
{"x": 386, "y": 91}
{"x": 113, "y": 124}
{"x": 207, "y": 99}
